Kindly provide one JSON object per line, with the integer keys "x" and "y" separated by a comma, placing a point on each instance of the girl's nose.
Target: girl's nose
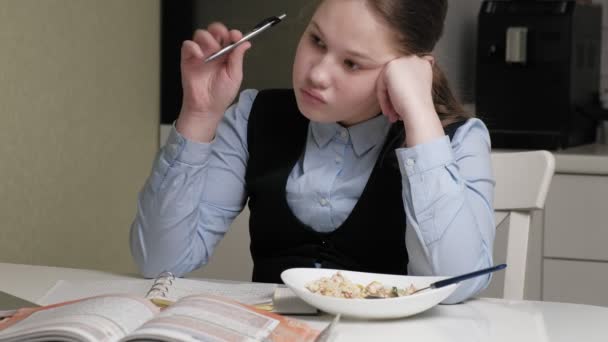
{"x": 319, "y": 75}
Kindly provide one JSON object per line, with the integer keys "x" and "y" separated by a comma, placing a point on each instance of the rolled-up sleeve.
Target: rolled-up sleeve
{"x": 448, "y": 191}
{"x": 193, "y": 194}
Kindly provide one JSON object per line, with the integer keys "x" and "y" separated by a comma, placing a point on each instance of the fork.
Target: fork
{"x": 327, "y": 334}
{"x": 452, "y": 280}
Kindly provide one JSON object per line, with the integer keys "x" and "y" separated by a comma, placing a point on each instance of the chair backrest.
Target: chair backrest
{"x": 522, "y": 184}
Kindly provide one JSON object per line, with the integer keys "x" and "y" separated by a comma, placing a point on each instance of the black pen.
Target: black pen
{"x": 457, "y": 279}
{"x": 259, "y": 28}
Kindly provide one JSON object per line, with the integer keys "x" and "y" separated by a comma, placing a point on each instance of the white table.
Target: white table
{"x": 476, "y": 320}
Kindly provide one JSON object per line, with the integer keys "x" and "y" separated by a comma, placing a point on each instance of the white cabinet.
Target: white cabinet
{"x": 575, "y": 281}
{"x": 575, "y": 253}
{"x": 576, "y": 221}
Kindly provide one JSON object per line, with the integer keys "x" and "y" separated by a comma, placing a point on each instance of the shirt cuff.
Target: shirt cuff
{"x": 425, "y": 157}
{"x": 182, "y": 150}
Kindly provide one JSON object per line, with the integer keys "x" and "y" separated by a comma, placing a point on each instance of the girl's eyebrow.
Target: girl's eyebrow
{"x": 352, "y": 53}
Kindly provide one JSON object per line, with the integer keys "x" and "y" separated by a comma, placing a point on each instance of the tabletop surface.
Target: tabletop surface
{"x": 586, "y": 159}
{"x": 481, "y": 319}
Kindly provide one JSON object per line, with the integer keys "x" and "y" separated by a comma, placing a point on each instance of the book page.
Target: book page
{"x": 212, "y": 318}
{"x": 104, "y": 318}
{"x": 248, "y": 293}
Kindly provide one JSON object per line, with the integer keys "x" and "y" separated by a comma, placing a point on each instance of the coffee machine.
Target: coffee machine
{"x": 538, "y": 72}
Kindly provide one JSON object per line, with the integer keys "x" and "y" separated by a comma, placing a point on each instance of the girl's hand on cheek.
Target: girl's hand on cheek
{"x": 404, "y": 90}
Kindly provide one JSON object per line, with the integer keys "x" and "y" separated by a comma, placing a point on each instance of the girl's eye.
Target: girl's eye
{"x": 350, "y": 65}
{"x": 316, "y": 40}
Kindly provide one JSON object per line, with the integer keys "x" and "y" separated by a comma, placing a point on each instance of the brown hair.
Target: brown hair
{"x": 419, "y": 25}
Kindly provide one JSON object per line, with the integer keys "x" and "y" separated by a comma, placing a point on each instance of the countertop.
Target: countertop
{"x": 586, "y": 159}
{"x": 589, "y": 159}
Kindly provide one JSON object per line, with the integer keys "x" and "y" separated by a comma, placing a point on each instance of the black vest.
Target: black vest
{"x": 371, "y": 239}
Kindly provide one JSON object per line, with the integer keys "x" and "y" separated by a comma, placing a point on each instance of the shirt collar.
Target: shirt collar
{"x": 363, "y": 136}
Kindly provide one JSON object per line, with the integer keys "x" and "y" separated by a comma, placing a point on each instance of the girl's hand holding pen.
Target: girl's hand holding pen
{"x": 209, "y": 88}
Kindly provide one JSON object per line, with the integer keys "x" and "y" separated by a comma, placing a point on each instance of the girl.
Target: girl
{"x": 369, "y": 163}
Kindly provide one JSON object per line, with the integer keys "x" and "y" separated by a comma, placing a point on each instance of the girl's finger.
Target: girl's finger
{"x": 191, "y": 50}
{"x": 205, "y": 40}
{"x": 384, "y": 98}
{"x": 235, "y": 58}
{"x": 220, "y": 33}
{"x": 235, "y": 61}
{"x": 235, "y": 35}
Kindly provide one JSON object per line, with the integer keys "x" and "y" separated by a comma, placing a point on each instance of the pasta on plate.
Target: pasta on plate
{"x": 341, "y": 287}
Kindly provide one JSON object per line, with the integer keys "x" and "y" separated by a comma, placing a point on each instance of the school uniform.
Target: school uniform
{"x": 320, "y": 195}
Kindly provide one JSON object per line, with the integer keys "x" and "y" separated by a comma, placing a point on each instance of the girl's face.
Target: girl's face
{"x": 338, "y": 61}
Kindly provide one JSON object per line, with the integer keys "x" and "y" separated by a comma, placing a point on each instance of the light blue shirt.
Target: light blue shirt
{"x": 196, "y": 190}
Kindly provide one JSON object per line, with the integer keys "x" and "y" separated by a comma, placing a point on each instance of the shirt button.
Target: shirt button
{"x": 344, "y": 134}
{"x": 323, "y": 202}
{"x": 410, "y": 162}
{"x": 338, "y": 160}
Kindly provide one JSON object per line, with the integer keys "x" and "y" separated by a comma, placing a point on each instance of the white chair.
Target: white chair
{"x": 522, "y": 183}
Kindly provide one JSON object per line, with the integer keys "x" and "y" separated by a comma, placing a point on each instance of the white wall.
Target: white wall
{"x": 79, "y": 109}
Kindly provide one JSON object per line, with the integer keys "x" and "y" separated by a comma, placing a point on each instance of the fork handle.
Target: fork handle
{"x": 457, "y": 279}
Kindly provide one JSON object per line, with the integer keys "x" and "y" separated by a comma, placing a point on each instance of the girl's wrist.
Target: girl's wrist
{"x": 197, "y": 128}
{"x": 422, "y": 128}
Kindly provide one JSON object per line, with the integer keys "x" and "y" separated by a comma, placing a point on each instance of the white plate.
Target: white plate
{"x": 298, "y": 278}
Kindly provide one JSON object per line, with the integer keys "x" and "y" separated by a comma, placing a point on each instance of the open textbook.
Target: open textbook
{"x": 122, "y": 317}
{"x": 166, "y": 289}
